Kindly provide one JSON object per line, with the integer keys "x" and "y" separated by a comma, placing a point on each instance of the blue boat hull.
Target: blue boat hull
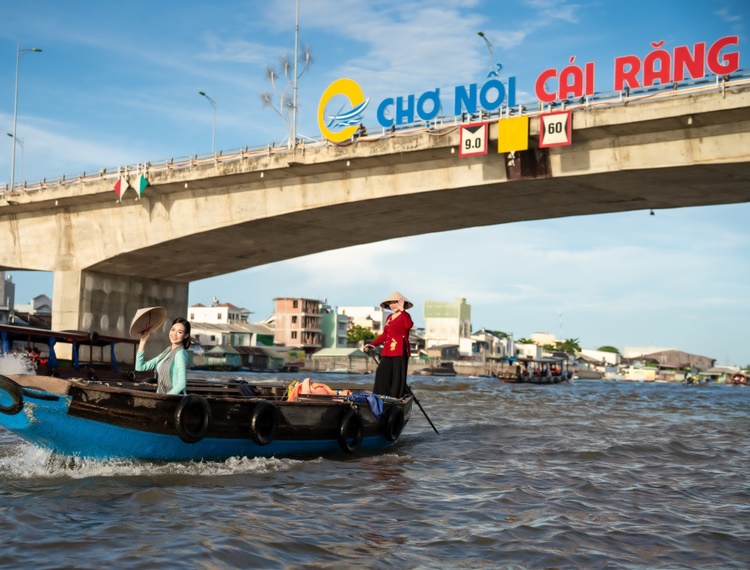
{"x": 95, "y": 422}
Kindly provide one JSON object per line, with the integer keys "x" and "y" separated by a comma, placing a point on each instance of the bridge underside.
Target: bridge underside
{"x": 305, "y": 232}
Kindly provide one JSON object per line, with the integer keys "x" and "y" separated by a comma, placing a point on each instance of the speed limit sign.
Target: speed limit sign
{"x": 555, "y": 129}
{"x": 473, "y": 139}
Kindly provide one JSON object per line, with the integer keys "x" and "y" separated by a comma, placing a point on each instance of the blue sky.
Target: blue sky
{"x": 118, "y": 84}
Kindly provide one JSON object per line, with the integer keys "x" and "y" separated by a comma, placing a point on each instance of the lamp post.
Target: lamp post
{"x": 213, "y": 127}
{"x": 294, "y": 89}
{"x": 20, "y": 143}
{"x": 19, "y": 53}
{"x": 489, "y": 46}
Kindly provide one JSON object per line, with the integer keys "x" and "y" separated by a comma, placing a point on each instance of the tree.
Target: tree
{"x": 525, "y": 341}
{"x": 611, "y": 349}
{"x": 569, "y": 346}
{"x": 281, "y": 100}
{"x": 358, "y": 333}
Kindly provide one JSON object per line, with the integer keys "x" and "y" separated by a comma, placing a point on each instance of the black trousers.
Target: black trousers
{"x": 390, "y": 376}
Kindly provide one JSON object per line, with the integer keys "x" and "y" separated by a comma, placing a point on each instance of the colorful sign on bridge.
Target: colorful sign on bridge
{"x": 342, "y": 106}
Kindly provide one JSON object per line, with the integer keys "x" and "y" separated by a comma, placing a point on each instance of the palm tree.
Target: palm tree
{"x": 569, "y": 346}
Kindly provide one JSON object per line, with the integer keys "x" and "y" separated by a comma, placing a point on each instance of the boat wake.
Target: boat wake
{"x": 26, "y": 461}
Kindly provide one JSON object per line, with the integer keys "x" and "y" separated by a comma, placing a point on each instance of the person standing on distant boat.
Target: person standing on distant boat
{"x": 390, "y": 375}
{"x": 170, "y": 365}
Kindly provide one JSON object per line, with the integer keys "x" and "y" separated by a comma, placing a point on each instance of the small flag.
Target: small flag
{"x": 140, "y": 184}
{"x": 513, "y": 134}
{"x": 121, "y": 186}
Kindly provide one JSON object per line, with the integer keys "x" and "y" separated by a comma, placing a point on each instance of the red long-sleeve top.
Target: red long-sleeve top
{"x": 395, "y": 335}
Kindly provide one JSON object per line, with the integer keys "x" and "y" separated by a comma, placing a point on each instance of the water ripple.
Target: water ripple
{"x": 587, "y": 475}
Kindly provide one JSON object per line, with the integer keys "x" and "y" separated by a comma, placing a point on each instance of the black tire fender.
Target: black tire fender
{"x": 14, "y": 391}
{"x": 191, "y": 418}
{"x": 264, "y": 421}
{"x": 350, "y": 430}
{"x": 394, "y": 423}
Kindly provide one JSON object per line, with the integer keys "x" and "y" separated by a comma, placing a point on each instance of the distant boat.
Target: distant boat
{"x": 93, "y": 355}
{"x": 445, "y": 369}
{"x": 739, "y": 379}
{"x": 536, "y": 371}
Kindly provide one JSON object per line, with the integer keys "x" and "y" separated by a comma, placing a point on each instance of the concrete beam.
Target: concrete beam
{"x": 202, "y": 221}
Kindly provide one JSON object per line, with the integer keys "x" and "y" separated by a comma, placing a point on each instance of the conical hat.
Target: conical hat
{"x": 395, "y": 296}
{"x": 147, "y": 319}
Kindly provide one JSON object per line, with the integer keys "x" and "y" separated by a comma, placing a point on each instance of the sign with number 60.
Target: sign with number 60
{"x": 555, "y": 129}
{"x": 473, "y": 140}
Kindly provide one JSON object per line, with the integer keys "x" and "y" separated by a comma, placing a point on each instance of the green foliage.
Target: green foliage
{"x": 569, "y": 346}
{"x": 611, "y": 349}
{"x": 525, "y": 341}
{"x": 358, "y": 333}
{"x": 499, "y": 334}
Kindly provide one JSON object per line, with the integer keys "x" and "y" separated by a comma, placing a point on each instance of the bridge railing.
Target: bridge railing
{"x": 438, "y": 126}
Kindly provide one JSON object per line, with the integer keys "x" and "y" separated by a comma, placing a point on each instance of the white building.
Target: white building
{"x": 489, "y": 345}
{"x": 7, "y": 297}
{"x": 533, "y": 351}
{"x": 602, "y": 357}
{"x": 543, "y": 339}
{"x": 232, "y": 334}
{"x": 218, "y": 313}
{"x": 448, "y": 323}
{"x": 39, "y": 305}
{"x": 366, "y": 317}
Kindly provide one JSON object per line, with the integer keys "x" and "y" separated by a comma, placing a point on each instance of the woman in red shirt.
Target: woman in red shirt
{"x": 390, "y": 376}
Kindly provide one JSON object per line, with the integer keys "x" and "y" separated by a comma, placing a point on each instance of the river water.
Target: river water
{"x": 592, "y": 474}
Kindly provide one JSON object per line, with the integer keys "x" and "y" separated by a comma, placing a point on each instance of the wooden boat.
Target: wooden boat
{"x": 536, "y": 371}
{"x": 92, "y": 356}
{"x": 739, "y": 379}
{"x": 444, "y": 369}
{"x": 214, "y": 421}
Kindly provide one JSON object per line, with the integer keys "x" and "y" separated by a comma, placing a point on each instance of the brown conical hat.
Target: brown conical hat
{"x": 147, "y": 319}
{"x": 395, "y": 296}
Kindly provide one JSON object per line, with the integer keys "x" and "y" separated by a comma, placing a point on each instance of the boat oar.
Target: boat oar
{"x": 376, "y": 357}
{"x": 413, "y": 395}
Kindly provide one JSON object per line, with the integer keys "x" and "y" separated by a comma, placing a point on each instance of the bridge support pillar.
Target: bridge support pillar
{"x": 105, "y": 303}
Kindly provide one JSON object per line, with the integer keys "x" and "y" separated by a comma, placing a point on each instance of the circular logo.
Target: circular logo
{"x": 342, "y": 125}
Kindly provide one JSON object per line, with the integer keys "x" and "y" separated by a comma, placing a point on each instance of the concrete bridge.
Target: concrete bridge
{"x": 207, "y": 217}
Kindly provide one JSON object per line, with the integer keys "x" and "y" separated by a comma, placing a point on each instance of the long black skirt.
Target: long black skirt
{"x": 390, "y": 376}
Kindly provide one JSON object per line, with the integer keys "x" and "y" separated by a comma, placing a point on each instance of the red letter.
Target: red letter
{"x": 683, "y": 59}
{"x": 657, "y": 66}
{"x": 626, "y": 70}
{"x": 541, "y": 93}
{"x": 732, "y": 59}
{"x": 571, "y": 81}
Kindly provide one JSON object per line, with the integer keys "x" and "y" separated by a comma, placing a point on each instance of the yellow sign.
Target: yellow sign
{"x": 513, "y": 134}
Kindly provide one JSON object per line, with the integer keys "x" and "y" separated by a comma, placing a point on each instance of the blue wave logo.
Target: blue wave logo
{"x": 348, "y": 119}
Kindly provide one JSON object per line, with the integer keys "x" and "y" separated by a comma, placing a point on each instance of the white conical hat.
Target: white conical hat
{"x": 147, "y": 319}
{"x": 395, "y": 296}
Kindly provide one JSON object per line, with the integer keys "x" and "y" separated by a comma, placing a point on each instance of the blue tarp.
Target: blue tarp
{"x": 113, "y": 357}
{"x": 52, "y": 360}
{"x": 375, "y": 403}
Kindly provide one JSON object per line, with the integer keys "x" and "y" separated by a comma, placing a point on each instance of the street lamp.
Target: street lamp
{"x": 213, "y": 128}
{"x": 20, "y": 143}
{"x": 19, "y": 53}
{"x": 489, "y": 46}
